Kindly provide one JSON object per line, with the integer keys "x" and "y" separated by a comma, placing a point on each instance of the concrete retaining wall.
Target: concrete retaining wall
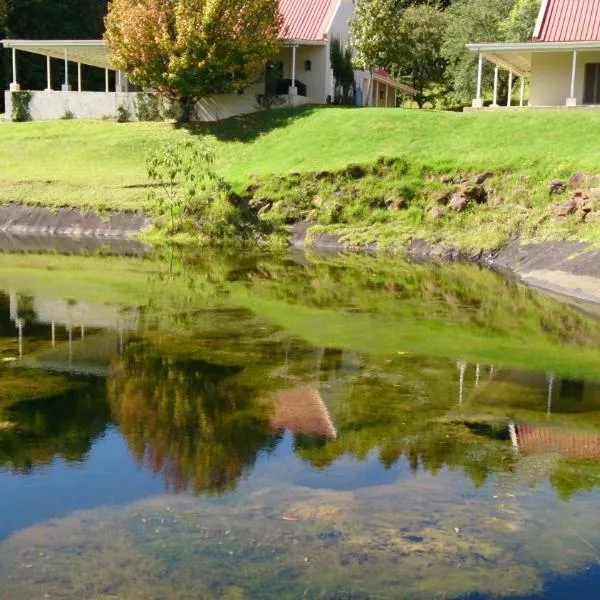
{"x": 46, "y": 106}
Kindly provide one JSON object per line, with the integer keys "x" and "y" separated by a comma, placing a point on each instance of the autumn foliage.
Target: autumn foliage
{"x": 188, "y": 49}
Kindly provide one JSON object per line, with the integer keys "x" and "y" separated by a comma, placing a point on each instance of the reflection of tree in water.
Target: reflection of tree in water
{"x": 188, "y": 420}
{"x": 64, "y": 425}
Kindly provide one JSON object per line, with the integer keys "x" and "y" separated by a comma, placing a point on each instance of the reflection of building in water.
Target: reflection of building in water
{"x": 578, "y": 445}
{"x": 302, "y": 411}
{"x": 75, "y": 319}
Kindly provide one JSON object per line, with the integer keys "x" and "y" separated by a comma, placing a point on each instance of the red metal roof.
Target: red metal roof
{"x": 570, "y": 21}
{"x": 306, "y": 19}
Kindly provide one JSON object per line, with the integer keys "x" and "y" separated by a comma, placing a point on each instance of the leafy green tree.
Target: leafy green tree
{"x": 189, "y": 49}
{"x": 471, "y": 21}
{"x": 419, "y": 51}
{"x": 373, "y": 31}
{"x": 519, "y": 25}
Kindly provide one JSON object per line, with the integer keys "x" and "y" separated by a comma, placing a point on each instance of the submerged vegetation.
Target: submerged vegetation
{"x": 410, "y": 378}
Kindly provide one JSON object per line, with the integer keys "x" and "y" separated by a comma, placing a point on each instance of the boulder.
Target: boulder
{"x": 482, "y": 178}
{"x": 583, "y": 180}
{"x": 436, "y": 212}
{"x": 458, "y": 201}
{"x": 265, "y": 208}
{"x": 566, "y": 208}
{"x": 395, "y": 204}
{"x": 317, "y": 201}
{"x": 557, "y": 187}
{"x": 594, "y": 193}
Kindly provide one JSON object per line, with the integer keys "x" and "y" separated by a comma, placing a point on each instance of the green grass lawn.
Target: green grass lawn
{"x": 101, "y": 164}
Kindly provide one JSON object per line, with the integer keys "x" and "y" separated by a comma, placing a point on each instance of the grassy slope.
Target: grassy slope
{"x": 94, "y": 163}
{"x": 101, "y": 165}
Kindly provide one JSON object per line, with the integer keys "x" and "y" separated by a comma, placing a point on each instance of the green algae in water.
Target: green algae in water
{"x": 397, "y": 477}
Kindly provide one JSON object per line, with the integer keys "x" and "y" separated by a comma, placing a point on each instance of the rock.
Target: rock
{"x": 317, "y": 201}
{"x": 376, "y": 203}
{"x": 265, "y": 208}
{"x": 495, "y": 201}
{"x": 566, "y": 208}
{"x": 252, "y": 188}
{"x": 582, "y": 180}
{"x": 460, "y": 179}
{"x": 477, "y": 193}
{"x": 436, "y": 212}
{"x": 396, "y": 204}
{"x": 443, "y": 197}
{"x": 482, "y": 178}
{"x": 577, "y": 180}
{"x": 594, "y": 193}
{"x": 557, "y": 187}
{"x": 355, "y": 171}
{"x": 458, "y": 201}
{"x": 322, "y": 175}
{"x": 259, "y": 204}
{"x": 446, "y": 179}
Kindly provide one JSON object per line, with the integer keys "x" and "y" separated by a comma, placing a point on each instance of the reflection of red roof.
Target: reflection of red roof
{"x": 569, "y": 21}
{"x": 306, "y": 19}
{"x": 570, "y": 442}
{"x": 302, "y": 411}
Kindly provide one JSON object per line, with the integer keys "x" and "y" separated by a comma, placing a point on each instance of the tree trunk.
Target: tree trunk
{"x": 186, "y": 107}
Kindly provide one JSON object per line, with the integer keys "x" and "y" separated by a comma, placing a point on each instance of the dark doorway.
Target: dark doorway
{"x": 591, "y": 84}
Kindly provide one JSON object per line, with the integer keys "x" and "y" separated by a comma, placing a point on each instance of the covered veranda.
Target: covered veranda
{"x": 51, "y": 103}
{"x": 558, "y": 72}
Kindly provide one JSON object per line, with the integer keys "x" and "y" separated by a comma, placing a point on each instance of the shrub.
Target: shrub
{"x": 123, "y": 114}
{"x": 20, "y": 106}
{"x": 68, "y": 115}
{"x": 269, "y": 101}
{"x": 186, "y": 181}
{"x": 148, "y": 107}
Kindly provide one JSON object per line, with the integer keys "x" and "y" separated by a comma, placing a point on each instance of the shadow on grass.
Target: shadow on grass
{"x": 247, "y": 128}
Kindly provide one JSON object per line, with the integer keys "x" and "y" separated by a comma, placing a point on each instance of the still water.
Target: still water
{"x": 257, "y": 427}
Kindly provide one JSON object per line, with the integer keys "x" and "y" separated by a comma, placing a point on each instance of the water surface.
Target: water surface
{"x": 293, "y": 427}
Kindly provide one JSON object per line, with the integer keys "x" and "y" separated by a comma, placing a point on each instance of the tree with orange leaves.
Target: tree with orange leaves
{"x": 189, "y": 49}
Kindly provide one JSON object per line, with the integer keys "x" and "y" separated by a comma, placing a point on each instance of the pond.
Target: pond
{"x": 292, "y": 426}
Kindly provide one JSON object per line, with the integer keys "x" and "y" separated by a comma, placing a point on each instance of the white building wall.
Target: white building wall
{"x": 551, "y": 77}
{"x": 340, "y": 27}
{"x": 313, "y": 79}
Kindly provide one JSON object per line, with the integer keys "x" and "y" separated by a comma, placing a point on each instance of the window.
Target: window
{"x": 591, "y": 84}
{"x": 308, "y": 65}
{"x": 381, "y": 94}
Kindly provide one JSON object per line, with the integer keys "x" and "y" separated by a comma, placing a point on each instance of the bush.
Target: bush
{"x": 186, "y": 181}
{"x": 123, "y": 114}
{"x": 148, "y": 107}
{"x": 20, "y": 106}
{"x": 68, "y": 115}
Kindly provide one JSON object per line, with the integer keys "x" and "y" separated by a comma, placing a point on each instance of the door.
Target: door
{"x": 591, "y": 84}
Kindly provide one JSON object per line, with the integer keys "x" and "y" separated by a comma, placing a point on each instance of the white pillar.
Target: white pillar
{"x": 495, "y": 101}
{"x": 48, "y": 75}
{"x": 522, "y": 98}
{"x": 14, "y": 86}
{"x": 65, "y": 86}
{"x": 387, "y": 89}
{"x": 572, "y": 100}
{"x": 79, "y": 77}
{"x": 293, "y": 89}
{"x": 376, "y": 93}
{"x": 478, "y": 102}
{"x": 510, "y": 88}
{"x": 106, "y": 80}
